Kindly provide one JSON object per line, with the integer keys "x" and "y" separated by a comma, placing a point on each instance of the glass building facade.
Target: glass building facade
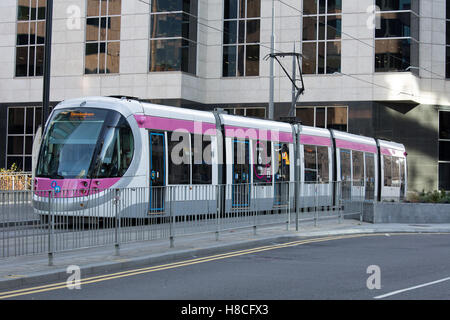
{"x": 322, "y": 26}
{"x": 103, "y": 36}
{"x": 397, "y": 36}
{"x": 241, "y": 37}
{"x": 30, "y": 38}
{"x": 173, "y": 36}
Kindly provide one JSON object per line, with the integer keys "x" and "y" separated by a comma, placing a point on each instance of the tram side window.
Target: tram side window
{"x": 310, "y": 153}
{"x": 201, "y": 159}
{"x": 282, "y": 153}
{"x": 179, "y": 157}
{"x": 322, "y": 164}
{"x": 117, "y": 151}
{"x": 387, "y": 164}
{"x": 358, "y": 167}
{"x": 262, "y": 167}
{"x": 346, "y": 171}
{"x": 395, "y": 172}
{"x": 316, "y": 164}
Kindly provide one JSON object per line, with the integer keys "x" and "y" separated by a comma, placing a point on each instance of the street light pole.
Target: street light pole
{"x": 272, "y": 44}
{"x": 47, "y": 61}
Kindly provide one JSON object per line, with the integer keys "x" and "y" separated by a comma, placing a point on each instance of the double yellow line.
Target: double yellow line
{"x": 62, "y": 285}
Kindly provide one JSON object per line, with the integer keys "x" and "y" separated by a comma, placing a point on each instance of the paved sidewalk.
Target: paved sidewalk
{"x": 32, "y": 270}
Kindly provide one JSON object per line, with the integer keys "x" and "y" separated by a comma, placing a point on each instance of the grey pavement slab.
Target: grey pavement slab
{"x": 34, "y": 269}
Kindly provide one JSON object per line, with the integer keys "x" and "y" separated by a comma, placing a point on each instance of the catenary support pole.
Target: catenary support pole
{"x": 272, "y": 45}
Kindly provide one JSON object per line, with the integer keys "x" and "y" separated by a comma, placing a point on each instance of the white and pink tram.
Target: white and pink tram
{"x": 93, "y": 145}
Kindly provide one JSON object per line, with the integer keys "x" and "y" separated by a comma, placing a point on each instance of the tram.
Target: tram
{"x": 93, "y": 145}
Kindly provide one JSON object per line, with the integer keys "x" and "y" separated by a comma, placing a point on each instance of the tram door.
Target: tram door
{"x": 281, "y": 188}
{"x": 241, "y": 173}
{"x": 157, "y": 172}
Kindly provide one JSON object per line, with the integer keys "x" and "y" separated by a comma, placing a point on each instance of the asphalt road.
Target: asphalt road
{"x": 418, "y": 264}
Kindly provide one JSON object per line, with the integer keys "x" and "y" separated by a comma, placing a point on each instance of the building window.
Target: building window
{"x": 103, "y": 36}
{"x": 324, "y": 117}
{"x": 444, "y": 150}
{"x": 322, "y": 24}
{"x": 241, "y": 37}
{"x": 447, "y": 48}
{"x": 257, "y": 112}
{"x": 173, "y": 36}
{"x": 397, "y": 36}
{"x": 23, "y": 123}
{"x": 30, "y": 38}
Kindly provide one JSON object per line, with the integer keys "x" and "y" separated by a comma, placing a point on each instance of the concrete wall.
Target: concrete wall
{"x": 380, "y": 212}
{"x": 416, "y": 126}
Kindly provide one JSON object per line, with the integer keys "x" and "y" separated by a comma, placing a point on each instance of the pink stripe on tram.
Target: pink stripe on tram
{"x": 355, "y": 146}
{"x": 170, "y": 124}
{"x": 258, "y": 134}
{"x": 314, "y": 140}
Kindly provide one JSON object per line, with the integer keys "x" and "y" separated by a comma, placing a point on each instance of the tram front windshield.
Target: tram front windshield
{"x": 85, "y": 143}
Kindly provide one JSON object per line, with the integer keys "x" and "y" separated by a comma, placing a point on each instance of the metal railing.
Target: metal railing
{"x": 15, "y": 181}
{"x": 42, "y": 222}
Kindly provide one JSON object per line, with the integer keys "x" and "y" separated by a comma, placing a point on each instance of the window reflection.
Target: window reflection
{"x": 252, "y": 61}
{"x": 333, "y": 57}
{"x": 396, "y": 24}
{"x": 309, "y": 58}
{"x": 30, "y": 38}
{"x": 392, "y": 55}
{"x": 189, "y": 6}
{"x": 242, "y": 27}
{"x": 229, "y": 61}
{"x": 320, "y": 117}
{"x": 334, "y": 6}
{"x": 230, "y": 32}
{"x": 252, "y": 31}
{"x": 230, "y": 9}
{"x": 444, "y": 150}
{"x": 306, "y": 116}
{"x": 392, "y": 5}
{"x": 103, "y": 25}
{"x": 172, "y": 55}
{"x": 444, "y": 176}
{"x": 178, "y": 50}
{"x": 322, "y": 25}
{"x": 255, "y": 112}
{"x": 396, "y": 43}
{"x": 324, "y": 117}
{"x": 22, "y": 124}
{"x": 444, "y": 125}
{"x": 310, "y": 6}
{"x": 337, "y": 118}
{"x": 253, "y": 8}
{"x": 172, "y": 25}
